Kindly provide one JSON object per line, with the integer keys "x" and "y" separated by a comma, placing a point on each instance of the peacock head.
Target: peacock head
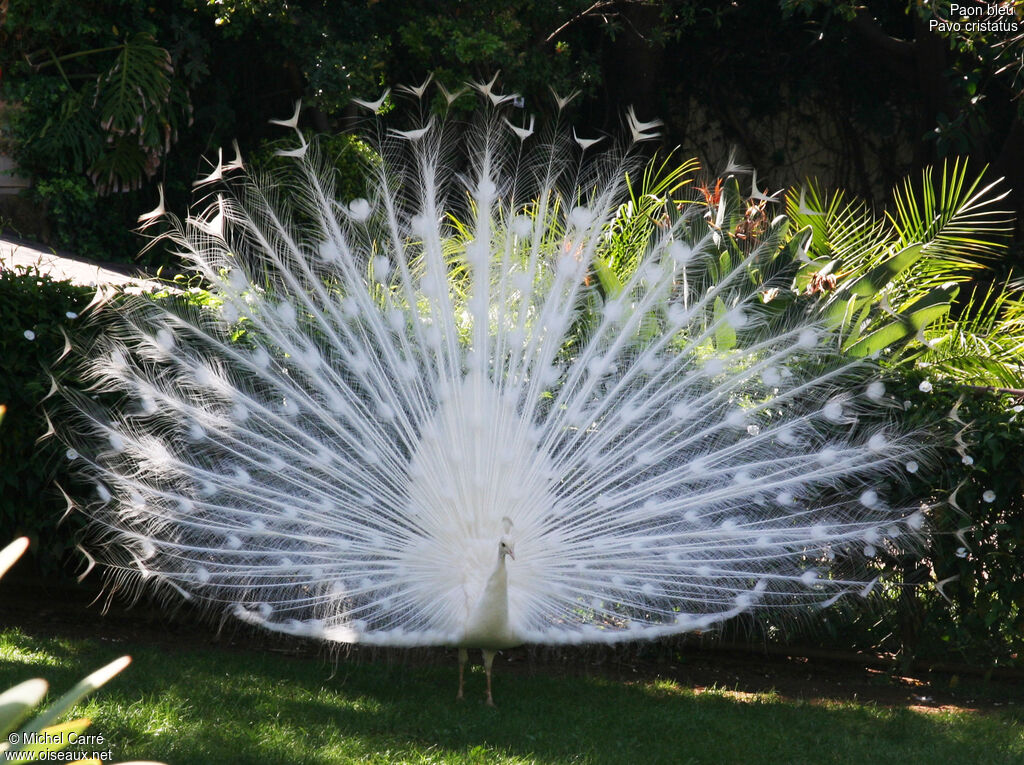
{"x": 505, "y": 548}
{"x": 505, "y": 545}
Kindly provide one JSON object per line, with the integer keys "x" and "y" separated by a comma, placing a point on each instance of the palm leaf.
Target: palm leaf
{"x": 894, "y": 276}
{"x": 845, "y": 233}
{"x": 985, "y": 343}
{"x": 898, "y": 330}
{"x": 138, "y": 82}
{"x": 957, "y": 218}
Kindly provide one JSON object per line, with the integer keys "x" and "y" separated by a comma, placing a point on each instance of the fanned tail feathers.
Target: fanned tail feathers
{"x": 330, "y": 449}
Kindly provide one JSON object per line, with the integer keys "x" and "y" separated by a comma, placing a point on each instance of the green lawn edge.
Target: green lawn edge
{"x": 209, "y": 705}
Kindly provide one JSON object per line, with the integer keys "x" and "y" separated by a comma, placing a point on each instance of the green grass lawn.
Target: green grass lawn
{"x": 207, "y": 705}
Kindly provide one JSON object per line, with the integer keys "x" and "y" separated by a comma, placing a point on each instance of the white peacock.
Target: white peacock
{"x": 436, "y": 428}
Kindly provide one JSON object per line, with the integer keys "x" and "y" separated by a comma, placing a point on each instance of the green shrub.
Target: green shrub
{"x": 973, "y": 606}
{"x": 42, "y": 316}
{"x": 961, "y": 597}
{"x": 80, "y": 221}
{"x": 37, "y": 311}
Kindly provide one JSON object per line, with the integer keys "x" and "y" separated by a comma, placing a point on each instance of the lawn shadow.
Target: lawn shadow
{"x": 205, "y": 705}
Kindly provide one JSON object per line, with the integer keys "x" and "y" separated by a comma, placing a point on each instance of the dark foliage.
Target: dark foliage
{"x": 37, "y": 313}
{"x": 856, "y": 95}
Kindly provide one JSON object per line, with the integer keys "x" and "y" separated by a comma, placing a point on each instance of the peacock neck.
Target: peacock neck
{"x": 488, "y": 623}
{"x": 497, "y": 583}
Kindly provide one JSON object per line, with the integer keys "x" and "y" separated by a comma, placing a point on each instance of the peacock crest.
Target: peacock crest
{"x": 392, "y": 393}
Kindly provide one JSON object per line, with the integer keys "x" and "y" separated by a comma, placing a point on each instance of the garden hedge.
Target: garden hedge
{"x": 40, "y": 314}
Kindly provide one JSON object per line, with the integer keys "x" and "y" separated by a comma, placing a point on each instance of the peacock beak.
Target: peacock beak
{"x": 511, "y": 552}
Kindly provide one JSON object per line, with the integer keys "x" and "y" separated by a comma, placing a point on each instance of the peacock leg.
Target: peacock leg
{"x": 488, "y": 662}
{"x": 463, "y": 656}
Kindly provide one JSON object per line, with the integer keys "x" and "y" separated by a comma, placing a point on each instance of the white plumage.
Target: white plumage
{"x": 430, "y": 378}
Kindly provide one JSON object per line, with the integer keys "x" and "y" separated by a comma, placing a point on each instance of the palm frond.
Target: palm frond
{"x": 648, "y": 207}
{"x": 984, "y": 344}
{"x": 886, "y": 280}
{"x": 844, "y": 232}
{"x": 957, "y": 219}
